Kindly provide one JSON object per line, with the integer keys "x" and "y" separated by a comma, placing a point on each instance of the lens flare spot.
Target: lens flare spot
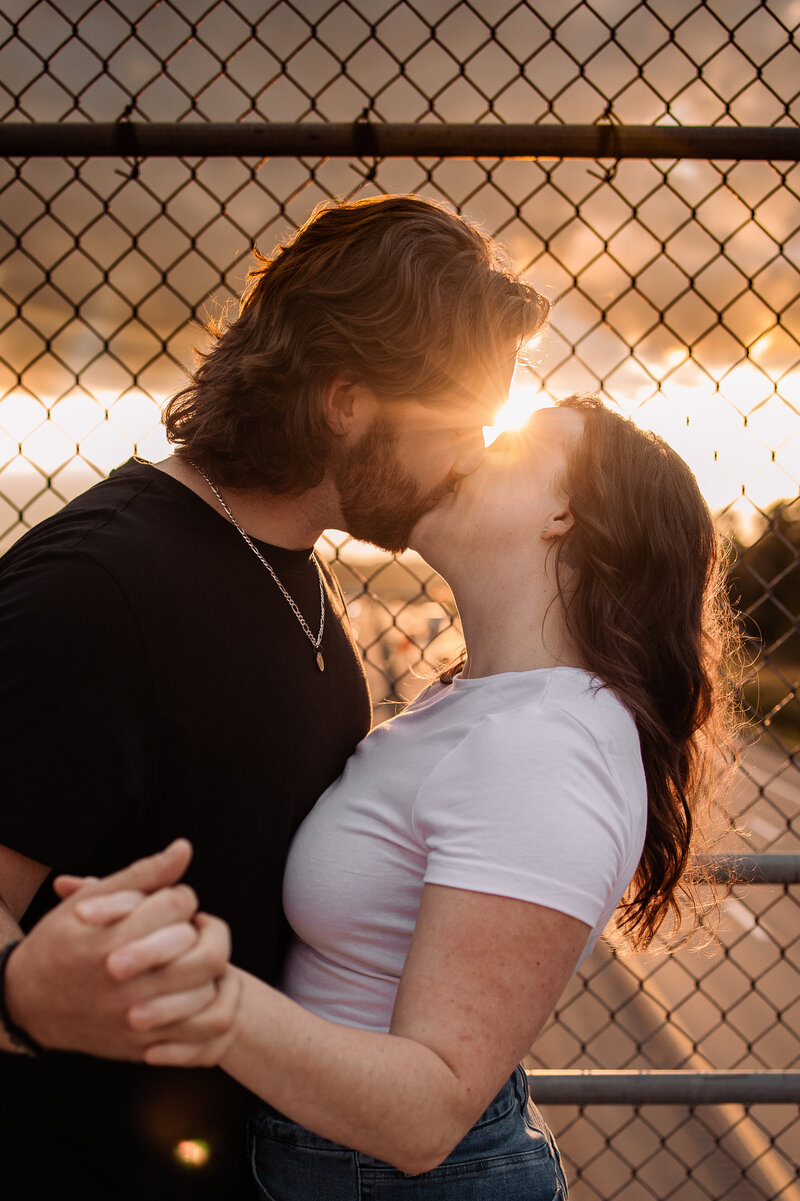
{"x": 192, "y": 1152}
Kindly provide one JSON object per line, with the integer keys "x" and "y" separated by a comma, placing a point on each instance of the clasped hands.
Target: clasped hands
{"x": 128, "y": 968}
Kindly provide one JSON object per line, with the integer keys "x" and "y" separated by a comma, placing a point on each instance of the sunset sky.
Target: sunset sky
{"x": 676, "y": 284}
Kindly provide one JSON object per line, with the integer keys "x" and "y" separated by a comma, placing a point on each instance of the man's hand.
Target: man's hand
{"x": 70, "y": 984}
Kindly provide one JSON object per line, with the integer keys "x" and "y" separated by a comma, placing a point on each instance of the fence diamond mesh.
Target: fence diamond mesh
{"x": 676, "y": 296}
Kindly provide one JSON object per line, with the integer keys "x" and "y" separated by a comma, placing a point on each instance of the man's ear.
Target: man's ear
{"x": 557, "y": 524}
{"x": 348, "y": 406}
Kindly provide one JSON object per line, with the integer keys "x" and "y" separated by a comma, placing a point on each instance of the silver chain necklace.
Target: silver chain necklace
{"x": 315, "y": 642}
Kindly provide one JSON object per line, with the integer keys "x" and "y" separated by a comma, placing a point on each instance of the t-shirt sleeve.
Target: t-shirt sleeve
{"x": 530, "y": 807}
{"x": 73, "y": 724}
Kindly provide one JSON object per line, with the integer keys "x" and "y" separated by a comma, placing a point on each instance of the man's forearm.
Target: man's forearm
{"x": 20, "y": 880}
{"x": 9, "y": 927}
{"x": 9, "y": 932}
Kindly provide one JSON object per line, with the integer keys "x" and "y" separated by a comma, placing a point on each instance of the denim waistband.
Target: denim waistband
{"x": 507, "y": 1155}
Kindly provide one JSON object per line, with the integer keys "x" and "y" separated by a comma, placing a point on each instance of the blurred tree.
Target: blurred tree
{"x": 764, "y": 582}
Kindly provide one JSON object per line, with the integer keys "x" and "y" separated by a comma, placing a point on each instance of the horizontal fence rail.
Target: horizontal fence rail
{"x": 597, "y": 1087}
{"x": 755, "y": 869}
{"x": 134, "y": 139}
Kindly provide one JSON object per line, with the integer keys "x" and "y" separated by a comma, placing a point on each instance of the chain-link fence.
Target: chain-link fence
{"x": 676, "y": 290}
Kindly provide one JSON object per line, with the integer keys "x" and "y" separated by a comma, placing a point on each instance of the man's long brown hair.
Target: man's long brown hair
{"x": 641, "y": 576}
{"x": 395, "y": 291}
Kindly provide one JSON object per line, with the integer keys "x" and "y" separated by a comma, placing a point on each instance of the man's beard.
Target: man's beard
{"x": 380, "y": 501}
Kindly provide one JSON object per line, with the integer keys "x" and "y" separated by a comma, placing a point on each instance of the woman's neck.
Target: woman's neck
{"x": 512, "y": 624}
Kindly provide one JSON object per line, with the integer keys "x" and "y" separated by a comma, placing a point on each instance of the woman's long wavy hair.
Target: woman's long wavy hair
{"x": 394, "y": 291}
{"x": 641, "y": 575}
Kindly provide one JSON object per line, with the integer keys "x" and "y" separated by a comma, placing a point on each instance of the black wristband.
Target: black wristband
{"x": 22, "y": 1041}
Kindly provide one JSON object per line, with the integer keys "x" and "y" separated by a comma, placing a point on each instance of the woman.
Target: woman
{"x": 446, "y": 887}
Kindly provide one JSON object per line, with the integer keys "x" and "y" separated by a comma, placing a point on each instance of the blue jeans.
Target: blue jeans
{"x": 508, "y": 1155}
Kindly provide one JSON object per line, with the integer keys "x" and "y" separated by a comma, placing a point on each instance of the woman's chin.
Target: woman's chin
{"x": 416, "y": 539}
{"x": 430, "y": 529}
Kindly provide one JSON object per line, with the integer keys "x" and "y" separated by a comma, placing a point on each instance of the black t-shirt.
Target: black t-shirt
{"x": 156, "y": 683}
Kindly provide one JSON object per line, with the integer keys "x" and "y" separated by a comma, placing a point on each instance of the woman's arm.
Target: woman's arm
{"x": 481, "y": 979}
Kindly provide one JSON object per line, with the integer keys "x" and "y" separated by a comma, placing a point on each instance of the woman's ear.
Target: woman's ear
{"x": 348, "y": 406}
{"x": 557, "y": 524}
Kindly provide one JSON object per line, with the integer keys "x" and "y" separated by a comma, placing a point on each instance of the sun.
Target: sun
{"x": 524, "y": 397}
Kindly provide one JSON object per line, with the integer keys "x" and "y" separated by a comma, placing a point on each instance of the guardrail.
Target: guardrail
{"x": 653, "y": 1087}
{"x": 755, "y": 869}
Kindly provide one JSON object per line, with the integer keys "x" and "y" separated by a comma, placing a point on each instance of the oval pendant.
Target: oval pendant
{"x": 320, "y": 661}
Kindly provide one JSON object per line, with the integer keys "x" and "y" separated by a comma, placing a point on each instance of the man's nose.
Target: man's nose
{"x": 470, "y": 454}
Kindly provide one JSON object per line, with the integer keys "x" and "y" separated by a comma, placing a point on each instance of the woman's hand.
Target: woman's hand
{"x": 197, "y": 1039}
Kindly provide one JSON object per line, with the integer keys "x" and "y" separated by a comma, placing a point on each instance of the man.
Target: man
{"x": 178, "y": 662}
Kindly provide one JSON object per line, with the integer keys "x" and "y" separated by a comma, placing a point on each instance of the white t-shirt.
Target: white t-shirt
{"x": 526, "y": 784}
